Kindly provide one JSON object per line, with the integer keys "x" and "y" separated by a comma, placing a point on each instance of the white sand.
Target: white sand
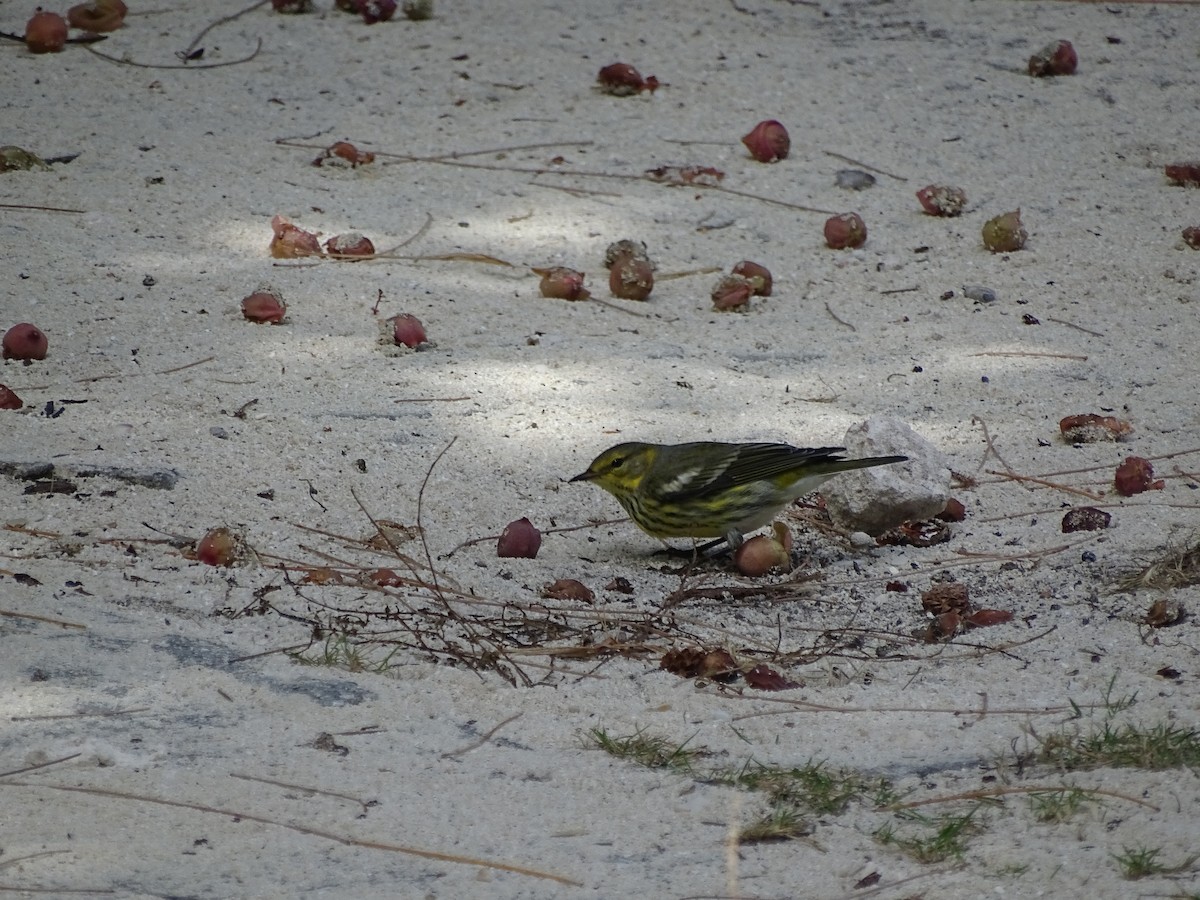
{"x": 178, "y": 177}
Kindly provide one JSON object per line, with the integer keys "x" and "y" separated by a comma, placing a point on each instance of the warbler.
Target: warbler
{"x": 708, "y": 489}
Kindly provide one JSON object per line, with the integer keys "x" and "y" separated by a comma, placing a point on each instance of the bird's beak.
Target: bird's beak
{"x": 583, "y": 476}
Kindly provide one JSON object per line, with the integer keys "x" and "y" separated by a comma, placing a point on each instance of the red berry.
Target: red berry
{"x": 768, "y": 141}
{"x": 25, "y": 341}
{"x": 519, "y": 539}
{"x": 845, "y": 231}
{"x": 46, "y": 32}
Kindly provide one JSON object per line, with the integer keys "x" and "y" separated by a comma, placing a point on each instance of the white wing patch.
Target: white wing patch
{"x": 680, "y": 481}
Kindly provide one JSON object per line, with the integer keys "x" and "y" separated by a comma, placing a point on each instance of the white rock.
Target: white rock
{"x": 876, "y": 499}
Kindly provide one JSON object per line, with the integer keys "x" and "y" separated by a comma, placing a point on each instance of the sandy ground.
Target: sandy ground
{"x": 192, "y": 758}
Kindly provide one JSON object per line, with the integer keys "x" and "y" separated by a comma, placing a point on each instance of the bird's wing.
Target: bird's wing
{"x": 723, "y": 466}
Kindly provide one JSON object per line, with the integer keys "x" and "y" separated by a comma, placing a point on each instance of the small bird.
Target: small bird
{"x": 708, "y": 489}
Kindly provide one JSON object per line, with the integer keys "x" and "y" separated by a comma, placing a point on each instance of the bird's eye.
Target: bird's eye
{"x": 618, "y": 462}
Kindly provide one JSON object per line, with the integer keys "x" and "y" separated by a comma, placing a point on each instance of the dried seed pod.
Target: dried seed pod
{"x": 631, "y": 278}
{"x": 1184, "y": 174}
{"x": 768, "y": 141}
{"x": 764, "y": 678}
{"x": 623, "y": 80}
{"x": 1005, "y": 233}
{"x": 1085, "y": 518}
{"x": 1056, "y": 58}
{"x": 943, "y": 627}
{"x": 291, "y": 241}
{"x": 568, "y": 589}
{"x": 350, "y": 245}
{"x": 1089, "y": 428}
{"x": 561, "y": 283}
{"x": 519, "y": 540}
{"x": 24, "y": 341}
{"x": 946, "y": 596}
{"x": 760, "y": 276}
{"x": 264, "y": 306}
{"x": 1164, "y": 613}
{"x": 1135, "y": 475}
{"x": 9, "y": 398}
{"x": 942, "y": 200}
{"x": 732, "y": 292}
{"x": 985, "y": 618}
{"x": 407, "y": 330}
{"x": 45, "y": 32}
{"x": 98, "y": 17}
{"x": 845, "y": 231}
{"x": 624, "y": 249}
{"x": 220, "y": 547}
{"x": 347, "y": 151}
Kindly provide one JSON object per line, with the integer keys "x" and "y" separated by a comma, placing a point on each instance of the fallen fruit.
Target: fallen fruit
{"x": 374, "y": 11}
{"x": 350, "y": 245}
{"x": 1057, "y": 58}
{"x": 845, "y": 231}
{"x": 1185, "y": 174}
{"x": 9, "y": 398}
{"x": 1005, "y": 233}
{"x": 631, "y": 278}
{"x": 98, "y": 17}
{"x": 264, "y": 306}
{"x": 519, "y": 540}
{"x": 45, "y": 32}
{"x": 219, "y": 547}
{"x": 1090, "y": 428}
{"x": 732, "y": 292}
{"x": 1135, "y": 475}
{"x": 561, "y": 283}
{"x": 762, "y": 553}
{"x": 759, "y": 275}
{"x": 942, "y": 200}
{"x": 291, "y": 241}
{"x": 24, "y": 341}
{"x": 768, "y": 141}
{"x": 624, "y": 249}
{"x": 407, "y": 330}
{"x": 623, "y": 80}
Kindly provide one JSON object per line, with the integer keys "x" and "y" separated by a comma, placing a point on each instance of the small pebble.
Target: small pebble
{"x": 861, "y": 539}
{"x": 979, "y": 293}
{"x": 854, "y": 179}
